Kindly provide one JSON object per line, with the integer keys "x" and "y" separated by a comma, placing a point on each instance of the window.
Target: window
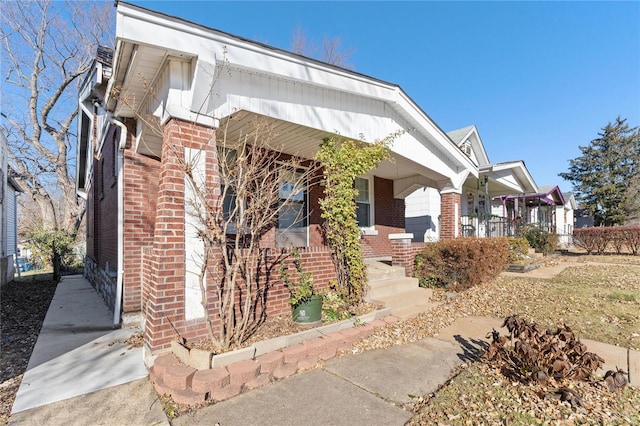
{"x": 363, "y": 202}
{"x": 227, "y": 160}
{"x": 292, "y": 217}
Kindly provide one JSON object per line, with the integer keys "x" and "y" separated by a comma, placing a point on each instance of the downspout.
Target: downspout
{"x": 120, "y": 272}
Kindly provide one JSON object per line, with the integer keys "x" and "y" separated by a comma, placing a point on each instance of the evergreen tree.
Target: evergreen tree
{"x": 604, "y": 177}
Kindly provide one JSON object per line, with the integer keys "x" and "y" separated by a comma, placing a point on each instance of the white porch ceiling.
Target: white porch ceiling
{"x": 302, "y": 141}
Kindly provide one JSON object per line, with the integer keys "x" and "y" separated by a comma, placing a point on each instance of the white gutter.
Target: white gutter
{"x": 120, "y": 272}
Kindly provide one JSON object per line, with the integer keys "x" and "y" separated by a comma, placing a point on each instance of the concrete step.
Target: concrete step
{"x": 391, "y": 287}
{"x": 378, "y": 271}
{"x": 532, "y": 254}
{"x": 406, "y": 298}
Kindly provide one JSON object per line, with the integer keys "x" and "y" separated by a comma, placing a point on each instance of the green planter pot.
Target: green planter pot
{"x": 309, "y": 313}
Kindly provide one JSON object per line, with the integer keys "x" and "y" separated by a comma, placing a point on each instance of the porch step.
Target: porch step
{"x": 389, "y": 286}
{"x": 405, "y": 298}
{"x": 408, "y": 303}
{"x": 378, "y": 271}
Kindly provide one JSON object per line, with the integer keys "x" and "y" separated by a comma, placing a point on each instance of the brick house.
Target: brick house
{"x": 188, "y": 79}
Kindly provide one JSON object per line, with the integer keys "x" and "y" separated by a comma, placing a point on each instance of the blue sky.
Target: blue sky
{"x": 538, "y": 79}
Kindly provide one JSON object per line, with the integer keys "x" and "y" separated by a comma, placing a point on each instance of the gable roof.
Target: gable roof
{"x": 547, "y": 195}
{"x": 470, "y": 134}
{"x": 270, "y": 82}
{"x": 459, "y": 135}
{"x": 570, "y": 201}
{"x": 516, "y": 169}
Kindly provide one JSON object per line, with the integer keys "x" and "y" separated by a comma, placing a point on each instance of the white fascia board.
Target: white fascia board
{"x": 480, "y": 146}
{"x": 146, "y": 27}
{"x": 429, "y": 127}
{"x": 82, "y": 194}
{"x": 520, "y": 170}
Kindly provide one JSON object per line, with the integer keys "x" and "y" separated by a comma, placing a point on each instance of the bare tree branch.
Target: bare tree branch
{"x": 331, "y": 50}
{"x": 49, "y": 45}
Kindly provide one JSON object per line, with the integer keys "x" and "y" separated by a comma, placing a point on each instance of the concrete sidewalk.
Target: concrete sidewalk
{"x": 372, "y": 387}
{"x": 78, "y": 352}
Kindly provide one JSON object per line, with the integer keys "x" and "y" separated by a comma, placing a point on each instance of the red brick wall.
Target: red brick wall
{"x": 161, "y": 259}
{"x": 389, "y": 219}
{"x": 316, "y": 260}
{"x": 102, "y": 214}
{"x": 108, "y": 195}
{"x": 141, "y": 176}
{"x": 163, "y": 265}
{"x": 404, "y": 254}
{"x": 448, "y": 218}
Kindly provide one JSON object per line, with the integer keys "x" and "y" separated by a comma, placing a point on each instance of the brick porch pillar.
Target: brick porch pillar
{"x": 401, "y": 252}
{"x": 165, "y": 307}
{"x": 449, "y": 215}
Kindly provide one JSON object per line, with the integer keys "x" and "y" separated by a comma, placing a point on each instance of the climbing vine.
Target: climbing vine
{"x": 343, "y": 160}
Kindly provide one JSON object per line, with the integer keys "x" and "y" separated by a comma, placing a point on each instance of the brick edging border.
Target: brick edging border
{"x": 189, "y": 386}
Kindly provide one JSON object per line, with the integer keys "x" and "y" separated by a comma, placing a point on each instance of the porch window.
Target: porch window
{"x": 363, "y": 202}
{"x": 230, "y": 204}
{"x": 292, "y": 217}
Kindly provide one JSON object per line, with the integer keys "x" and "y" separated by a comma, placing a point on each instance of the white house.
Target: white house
{"x": 490, "y": 181}
{"x": 9, "y": 191}
{"x": 565, "y": 220}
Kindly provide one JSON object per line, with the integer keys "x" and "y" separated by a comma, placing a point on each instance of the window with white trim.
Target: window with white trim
{"x": 292, "y": 217}
{"x": 363, "y": 202}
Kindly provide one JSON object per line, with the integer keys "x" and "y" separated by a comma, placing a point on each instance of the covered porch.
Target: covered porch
{"x": 484, "y": 214}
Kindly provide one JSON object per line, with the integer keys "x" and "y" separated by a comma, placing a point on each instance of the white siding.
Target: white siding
{"x": 12, "y": 221}
{"x": 422, "y": 214}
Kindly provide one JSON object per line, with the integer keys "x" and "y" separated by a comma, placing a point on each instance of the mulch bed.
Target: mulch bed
{"x": 23, "y": 306}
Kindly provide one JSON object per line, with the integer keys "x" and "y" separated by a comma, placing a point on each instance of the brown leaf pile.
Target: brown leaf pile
{"x": 480, "y": 395}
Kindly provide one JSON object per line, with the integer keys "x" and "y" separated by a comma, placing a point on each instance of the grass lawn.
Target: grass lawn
{"x": 599, "y": 302}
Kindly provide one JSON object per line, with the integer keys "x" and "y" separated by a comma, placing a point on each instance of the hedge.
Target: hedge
{"x": 622, "y": 239}
{"x": 541, "y": 240}
{"x": 461, "y": 263}
{"x": 518, "y": 249}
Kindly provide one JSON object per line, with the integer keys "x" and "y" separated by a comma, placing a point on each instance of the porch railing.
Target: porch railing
{"x": 481, "y": 226}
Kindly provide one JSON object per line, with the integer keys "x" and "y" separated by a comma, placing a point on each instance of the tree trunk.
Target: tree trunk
{"x": 57, "y": 264}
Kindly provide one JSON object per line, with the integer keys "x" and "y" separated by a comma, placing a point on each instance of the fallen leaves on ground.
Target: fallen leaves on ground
{"x": 480, "y": 394}
{"x": 476, "y": 393}
{"x": 23, "y": 306}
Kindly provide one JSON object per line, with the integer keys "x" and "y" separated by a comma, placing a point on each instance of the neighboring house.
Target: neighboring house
{"x": 9, "y": 190}
{"x": 190, "y": 79}
{"x": 540, "y": 209}
{"x": 490, "y": 181}
{"x": 582, "y": 219}
{"x": 565, "y": 220}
